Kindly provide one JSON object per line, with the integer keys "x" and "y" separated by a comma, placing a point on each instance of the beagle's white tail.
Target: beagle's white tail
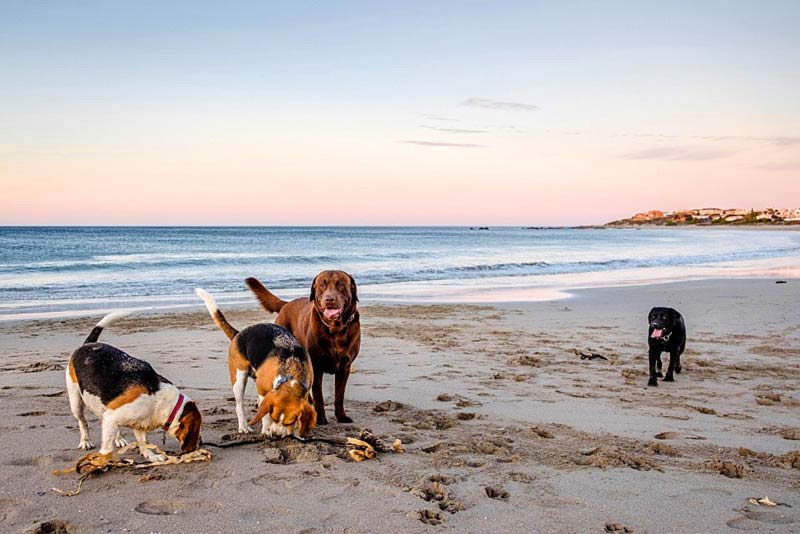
{"x": 216, "y": 314}
{"x": 94, "y": 335}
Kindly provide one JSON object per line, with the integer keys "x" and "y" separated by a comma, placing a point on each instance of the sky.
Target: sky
{"x": 395, "y": 113}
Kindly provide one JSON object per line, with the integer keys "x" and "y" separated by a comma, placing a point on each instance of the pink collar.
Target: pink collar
{"x": 175, "y": 411}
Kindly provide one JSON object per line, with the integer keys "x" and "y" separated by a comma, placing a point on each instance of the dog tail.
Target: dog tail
{"x": 270, "y": 302}
{"x": 216, "y": 314}
{"x": 94, "y": 335}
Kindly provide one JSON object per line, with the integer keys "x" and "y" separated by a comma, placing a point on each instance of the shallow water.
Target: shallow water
{"x": 63, "y": 270}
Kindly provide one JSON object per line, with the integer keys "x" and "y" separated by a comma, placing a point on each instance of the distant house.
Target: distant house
{"x": 709, "y": 211}
{"x": 734, "y": 218}
{"x": 764, "y": 217}
{"x": 648, "y": 216}
{"x": 789, "y": 214}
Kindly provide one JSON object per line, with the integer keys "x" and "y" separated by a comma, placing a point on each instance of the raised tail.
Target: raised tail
{"x": 94, "y": 335}
{"x": 216, "y": 314}
{"x": 270, "y": 302}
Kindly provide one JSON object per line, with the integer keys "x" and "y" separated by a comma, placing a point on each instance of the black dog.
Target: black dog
{"x": 667, "y": 333}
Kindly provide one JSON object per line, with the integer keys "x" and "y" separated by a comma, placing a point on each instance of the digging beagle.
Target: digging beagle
{"x": 124, "y": 391}
{"x": 281, "y": 368}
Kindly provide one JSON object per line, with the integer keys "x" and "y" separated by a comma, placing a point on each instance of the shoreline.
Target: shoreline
{"x": 495, "y": 296}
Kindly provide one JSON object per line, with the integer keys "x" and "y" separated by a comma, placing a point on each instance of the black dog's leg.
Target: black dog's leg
{"x": 654, "y": 356}
{"x": 673, "y": 361}
{"x": 659, "y": 374}
{"x": 678, "y": 359}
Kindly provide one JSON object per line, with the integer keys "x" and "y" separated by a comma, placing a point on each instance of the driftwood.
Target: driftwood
{"x": 94, "y": 462}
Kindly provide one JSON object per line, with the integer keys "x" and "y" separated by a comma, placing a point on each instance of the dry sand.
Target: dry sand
{"x": 505, "y": 427}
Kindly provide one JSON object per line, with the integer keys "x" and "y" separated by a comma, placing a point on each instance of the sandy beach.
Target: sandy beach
{"x": 505, "y": 427}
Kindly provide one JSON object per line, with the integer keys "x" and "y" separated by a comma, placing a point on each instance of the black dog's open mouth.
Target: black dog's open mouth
{"x": 657, "y": 333}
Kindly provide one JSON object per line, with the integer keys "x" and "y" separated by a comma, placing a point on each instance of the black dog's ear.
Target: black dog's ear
{"x": 353, "y": 288}
{"x": 313, "y": 296}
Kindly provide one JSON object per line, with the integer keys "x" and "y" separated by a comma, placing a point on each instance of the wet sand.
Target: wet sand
{"x": 505, "y": 427}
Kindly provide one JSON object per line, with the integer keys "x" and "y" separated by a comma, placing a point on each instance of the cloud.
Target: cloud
{"x": 498, "y": 104}
{"x": 773, "y": 140}
{"x": 677, "y": 153}
{"x": 454, "y": 130}
{"x": 777, "y": 141}
{"x": 436, "y": 143}
{"x": 440, "y": 118}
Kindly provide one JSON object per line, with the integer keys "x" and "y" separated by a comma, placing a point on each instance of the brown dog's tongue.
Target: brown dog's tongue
{"x": 656, "y": 332}
{"x": 331, "y": 313}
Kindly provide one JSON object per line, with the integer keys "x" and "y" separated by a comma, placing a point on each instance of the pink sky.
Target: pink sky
{"x": 529, "y": 115}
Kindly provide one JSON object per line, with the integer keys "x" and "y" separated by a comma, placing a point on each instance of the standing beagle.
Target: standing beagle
{"x": 124, "y": 391}
{"x": 282, "y": 371}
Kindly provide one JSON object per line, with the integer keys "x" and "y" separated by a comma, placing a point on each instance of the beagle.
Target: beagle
{"x": 281, "y": 368}
{"x": 124, "y": 391}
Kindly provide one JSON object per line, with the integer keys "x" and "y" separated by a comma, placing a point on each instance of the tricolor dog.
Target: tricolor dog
{"x": 124, "y": 391}
{"x": 281, "y": 368}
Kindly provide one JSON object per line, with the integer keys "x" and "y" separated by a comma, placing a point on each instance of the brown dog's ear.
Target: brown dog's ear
{"x": 353, "y": 288}
{"x": 188, "y": 432}
{"x": 307, "y": 421}
{"x": 313, "y": 296}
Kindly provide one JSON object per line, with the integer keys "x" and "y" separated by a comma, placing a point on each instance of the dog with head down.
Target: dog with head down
{"x": 282, "y": 371}
{"x": 327, "y": 325}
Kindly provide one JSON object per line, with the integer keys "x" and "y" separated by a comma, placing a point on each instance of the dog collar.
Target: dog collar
{"x": 282, "y": 379}
{"x": 174, "y": 412}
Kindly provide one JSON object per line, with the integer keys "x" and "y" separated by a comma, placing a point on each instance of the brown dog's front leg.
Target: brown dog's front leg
{"x": 342, "y": 374}
{"x": 319, "y": 402}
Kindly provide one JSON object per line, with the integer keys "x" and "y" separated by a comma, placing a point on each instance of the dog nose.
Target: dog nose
{"x": 330, "y": 300}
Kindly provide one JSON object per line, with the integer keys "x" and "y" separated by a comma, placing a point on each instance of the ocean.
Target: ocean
{"x": 68, "y": 271}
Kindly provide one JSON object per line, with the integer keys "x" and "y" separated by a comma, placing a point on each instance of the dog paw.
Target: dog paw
{"x": 652, "y": 382}
{"x": 678, "y": 369}
{"x": 669, "y": 378}
{"x": 322, "y": 420}
{"x": 344, "y": 419}
{"x": 120, "y": 442}
{"x": 660, "y": 374}
{"x": 86, "y": 445}
{"x": 245, "y": 429}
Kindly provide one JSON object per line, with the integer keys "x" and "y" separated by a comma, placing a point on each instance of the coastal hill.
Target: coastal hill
{"x": 713, "y": 216}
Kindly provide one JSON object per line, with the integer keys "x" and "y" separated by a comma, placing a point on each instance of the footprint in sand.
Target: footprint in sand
{"x": 177, "y": 507}
{"x": 429, "y": 517}
{"x": 435, "y": 489}
{"x": 496, "y": 493}
{"x": 52, "y": 527}
{"x": 757, "y": 519}
{"x": 617, "y": 528}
